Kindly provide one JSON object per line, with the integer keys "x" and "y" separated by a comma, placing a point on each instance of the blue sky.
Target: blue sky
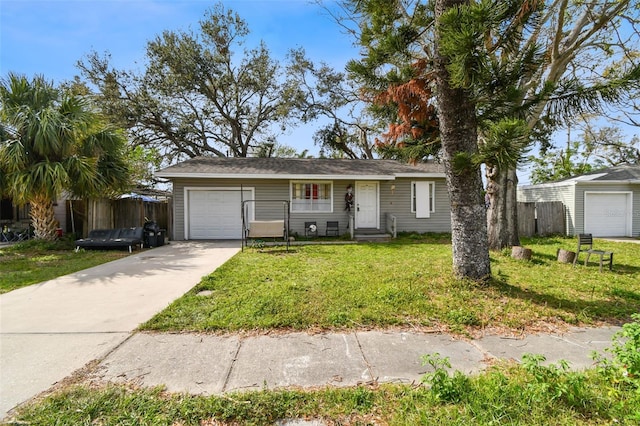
{"x": 48, "y": 37}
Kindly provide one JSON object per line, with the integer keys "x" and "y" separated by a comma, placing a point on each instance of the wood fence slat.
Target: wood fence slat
{"x": 550, "y": 218}
{"x": 526, "y": 219}
{"x": 541, "y": 218}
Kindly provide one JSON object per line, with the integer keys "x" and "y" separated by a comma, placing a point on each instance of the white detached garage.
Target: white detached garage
{"x": 605, "y": 203}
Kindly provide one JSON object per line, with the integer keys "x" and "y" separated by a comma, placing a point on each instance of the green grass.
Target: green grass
{"x": 404, "y": 283}
{"x": 33, "y": 261}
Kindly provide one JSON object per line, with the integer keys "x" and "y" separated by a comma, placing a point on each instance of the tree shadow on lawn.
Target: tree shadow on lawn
{"x": 618, "y": 309}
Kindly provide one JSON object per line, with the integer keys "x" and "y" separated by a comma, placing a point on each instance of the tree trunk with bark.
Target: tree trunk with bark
{"x": 513, "y": 234}
{"x": 497, "y": 208}
{"x": 502, "y": 213}
{"x": 458, "y": 132}
{"x": 43, "y": 217}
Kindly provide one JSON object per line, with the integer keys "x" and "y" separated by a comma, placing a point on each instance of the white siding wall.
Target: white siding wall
{"x": 60, "y": 213}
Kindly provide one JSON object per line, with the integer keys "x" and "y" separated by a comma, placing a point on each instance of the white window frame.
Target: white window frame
{"x": 431, "y": 186}
{"x": 294, "y": 206}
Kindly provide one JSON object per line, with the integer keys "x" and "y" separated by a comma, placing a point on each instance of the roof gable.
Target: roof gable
{"x": 297, "y": 168}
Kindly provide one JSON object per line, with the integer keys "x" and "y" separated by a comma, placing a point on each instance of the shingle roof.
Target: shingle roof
{"x": 625, "y": 172}
{"x": 212, "y": 167}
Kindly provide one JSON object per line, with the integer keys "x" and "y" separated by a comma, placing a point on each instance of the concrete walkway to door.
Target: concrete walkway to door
{"x": 49, "y": 330}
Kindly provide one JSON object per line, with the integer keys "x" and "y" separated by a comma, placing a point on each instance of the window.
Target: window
{"x": 311, "y": 197}
{"x": 423, "y": 198}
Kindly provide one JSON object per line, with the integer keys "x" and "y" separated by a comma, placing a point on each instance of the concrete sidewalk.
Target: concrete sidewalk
{"x": 206, "y": 364}
{"x": 49, "y": 330}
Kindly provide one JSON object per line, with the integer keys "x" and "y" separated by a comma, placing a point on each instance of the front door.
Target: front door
{"x": 366, "y": 204}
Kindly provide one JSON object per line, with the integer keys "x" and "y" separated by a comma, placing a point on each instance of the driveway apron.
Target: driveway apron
{"x": 49, "y": 330}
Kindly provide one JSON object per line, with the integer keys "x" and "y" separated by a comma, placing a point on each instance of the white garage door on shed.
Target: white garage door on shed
{"x": 214, "y": 214}
{"x": 607, "y": 214}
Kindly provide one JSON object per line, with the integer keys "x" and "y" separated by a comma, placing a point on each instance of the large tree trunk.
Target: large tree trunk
{"x": 511, "y": 195}
{"x": 502, "y": 214}
{"x": 43, "y": 217}
{"x": 497, "y": 208}
{"x": 458, "y": 132}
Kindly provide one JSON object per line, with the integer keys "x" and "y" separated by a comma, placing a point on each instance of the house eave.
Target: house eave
{"x": 575, "y": 182}
{"x": 192, "y": 175}
{"x": 421, "y": 175}
{"x": 548, "y": 185}
{"x": 605, "y": 182}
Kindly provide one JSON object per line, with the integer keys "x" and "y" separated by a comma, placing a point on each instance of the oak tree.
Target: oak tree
{"x": 201, "y": 92}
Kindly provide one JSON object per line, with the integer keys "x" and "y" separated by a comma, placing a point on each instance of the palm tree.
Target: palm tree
{"x": 50, "y": 142}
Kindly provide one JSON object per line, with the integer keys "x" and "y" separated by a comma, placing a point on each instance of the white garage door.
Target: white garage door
{"x": 215, "y": 214}
{"x": 607, "y": 214}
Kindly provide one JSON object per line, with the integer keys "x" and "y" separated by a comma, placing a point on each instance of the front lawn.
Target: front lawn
{"x": 31, "y": 262}
{"x": 405, "y": 283}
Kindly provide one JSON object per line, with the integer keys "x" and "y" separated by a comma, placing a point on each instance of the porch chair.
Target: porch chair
{"x": 585, "y": 244}
{"x": 310, "y": 229}
{"x": 332, "y": 228}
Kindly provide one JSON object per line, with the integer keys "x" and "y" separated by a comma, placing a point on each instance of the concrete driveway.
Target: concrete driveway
{"x": 49, "y": 330}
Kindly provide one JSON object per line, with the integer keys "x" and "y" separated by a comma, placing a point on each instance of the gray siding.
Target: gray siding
{"x": 298, "y": 219}
{"x": 263, "y": 190}
{"x": 397, "y": 202}
{"x": 612, "y": 187}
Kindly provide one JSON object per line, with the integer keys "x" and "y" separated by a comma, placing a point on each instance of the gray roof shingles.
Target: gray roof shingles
{"x": 622, "y": 173}
{"x": 296, "y": 166}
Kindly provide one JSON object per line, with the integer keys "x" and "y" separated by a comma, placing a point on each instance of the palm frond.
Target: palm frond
{"x": 54, "y": 141}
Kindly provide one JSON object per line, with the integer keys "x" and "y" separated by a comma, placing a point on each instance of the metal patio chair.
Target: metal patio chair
{"x": 585, "y": 245}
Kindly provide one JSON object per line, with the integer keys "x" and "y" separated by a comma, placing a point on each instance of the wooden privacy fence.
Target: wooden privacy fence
{"x": 541, "y": 218}
{"x": 84, "y": 216}
{"x": 134, "y": 212}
